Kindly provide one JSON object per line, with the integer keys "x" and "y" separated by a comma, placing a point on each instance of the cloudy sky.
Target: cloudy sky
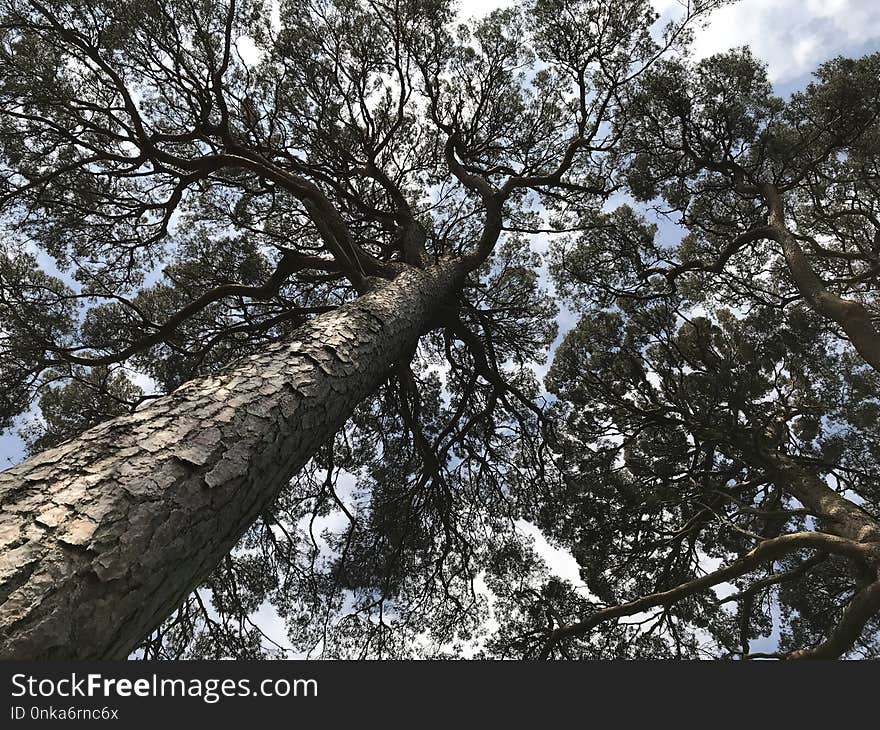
{"x": 791, "y": 36}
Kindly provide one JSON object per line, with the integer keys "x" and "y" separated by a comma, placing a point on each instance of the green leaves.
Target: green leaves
{"x": 206, "y": 177}
{"x": 37, "y": 312}
{"x": 675, "y": 408}
{"x": 92, "y": 396}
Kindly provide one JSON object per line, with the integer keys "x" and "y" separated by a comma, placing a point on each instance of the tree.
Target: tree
{"x": 695, "y": 441}
{"x": 713, "y": 414}
{"x": 313, "y": 234}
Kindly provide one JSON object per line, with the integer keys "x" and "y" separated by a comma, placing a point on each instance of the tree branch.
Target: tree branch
{"x": 771, "y": 549}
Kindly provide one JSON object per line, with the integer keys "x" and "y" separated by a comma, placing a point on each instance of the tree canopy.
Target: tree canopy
{"x": 183, "y": 183}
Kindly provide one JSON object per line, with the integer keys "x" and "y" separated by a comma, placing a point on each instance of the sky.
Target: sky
{"x": 792, "y": 36}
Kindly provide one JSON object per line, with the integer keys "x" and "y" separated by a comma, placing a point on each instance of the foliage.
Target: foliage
{"x": 205, "y": 177}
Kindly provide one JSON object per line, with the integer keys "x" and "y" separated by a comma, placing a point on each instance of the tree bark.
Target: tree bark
{"x": 839, "y": 515}
{"x": 853, "y": 317}
{"x": 104, "y": 535}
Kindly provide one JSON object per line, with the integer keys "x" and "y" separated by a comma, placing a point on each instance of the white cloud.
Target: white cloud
{"x": 792, "y": 36}
{"x": 559, "y": 562}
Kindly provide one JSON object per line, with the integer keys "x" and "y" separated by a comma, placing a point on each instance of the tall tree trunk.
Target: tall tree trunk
{"x": 103, "y": 536}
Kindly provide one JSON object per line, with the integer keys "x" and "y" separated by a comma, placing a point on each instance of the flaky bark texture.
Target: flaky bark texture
{"x": 102, "y": 536}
